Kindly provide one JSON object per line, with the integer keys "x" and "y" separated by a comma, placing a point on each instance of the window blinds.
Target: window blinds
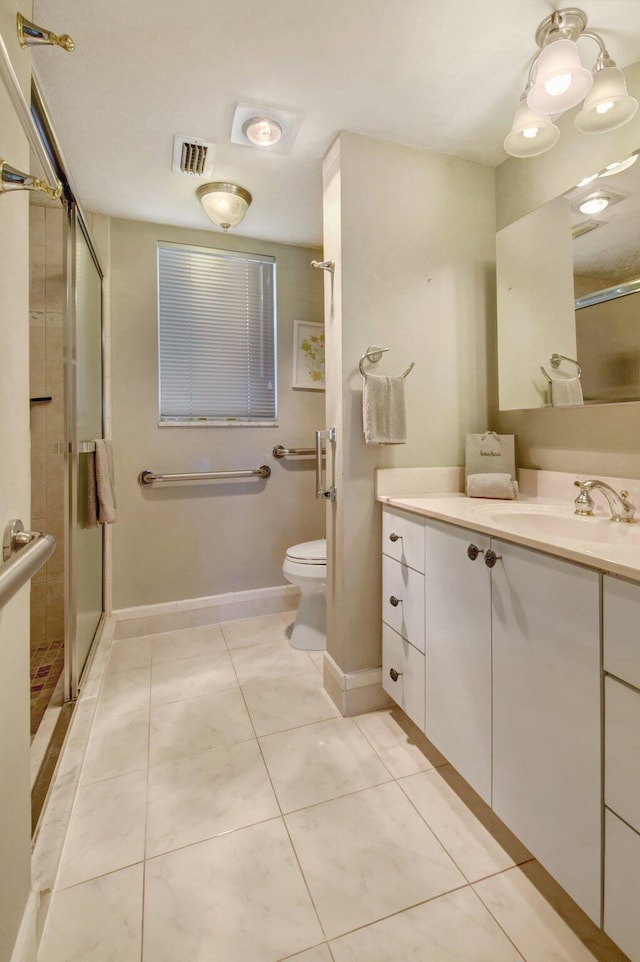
{"x": 217, "y": 341}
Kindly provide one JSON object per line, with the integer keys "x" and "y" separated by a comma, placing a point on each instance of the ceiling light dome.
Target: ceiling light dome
{"x": 561, "y": 80}
{"x": 262, "y": 131}
{"x": 608, "y": 104}
{"x": 531, "y": 133}
{"x": 225, "y": 204}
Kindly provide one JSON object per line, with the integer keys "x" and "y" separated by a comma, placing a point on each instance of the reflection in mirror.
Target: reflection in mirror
{"x": 568, "y": 284}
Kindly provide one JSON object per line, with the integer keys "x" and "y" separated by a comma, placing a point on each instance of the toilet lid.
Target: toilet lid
{"x": 309, "y": 552}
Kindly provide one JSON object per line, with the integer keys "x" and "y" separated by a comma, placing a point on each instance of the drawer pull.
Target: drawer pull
{"x": 394, "y": 674}
{"x": 473, "y": 551}
{"x": 395, "y": 537}
{"x": 491, "y": 557}
{"x": 395, "y": 601}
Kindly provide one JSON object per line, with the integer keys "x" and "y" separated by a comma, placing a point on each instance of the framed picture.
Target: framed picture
{"x": 308, "y": 356}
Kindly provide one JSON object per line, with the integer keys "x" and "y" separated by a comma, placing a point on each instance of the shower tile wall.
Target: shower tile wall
{"x": 47, "y": 299}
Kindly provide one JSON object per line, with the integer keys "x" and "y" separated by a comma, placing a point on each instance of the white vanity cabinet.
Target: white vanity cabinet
{"x": 458, "y": 651}
{"x": 546, "y": 714}
{"x": 621, "y": 659}
{"x": 403, "y": 671}
{"x": 511, "y": 684}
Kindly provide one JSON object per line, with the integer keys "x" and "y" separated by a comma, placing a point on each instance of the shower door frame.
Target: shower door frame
{"x": 75, "y": 220}
{"x": 73, "y": 670}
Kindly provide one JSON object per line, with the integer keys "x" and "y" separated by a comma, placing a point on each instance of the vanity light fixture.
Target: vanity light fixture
{"x": 558, "y": 81}
{"x": 531, "y": 132}
{"x": 595, "y": 203}
{"x": 225, "y": 204}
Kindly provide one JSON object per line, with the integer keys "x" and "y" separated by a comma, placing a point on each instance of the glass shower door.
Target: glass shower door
{"x": 86, "y": 421}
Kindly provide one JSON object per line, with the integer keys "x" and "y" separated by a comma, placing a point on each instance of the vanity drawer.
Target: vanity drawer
{"x": 622, "y": 885}
{"x": 621, "y": 629}
{"x": 403, "y": 601}
{"x": 622, "y": 751}
{"x": 402, "y": 662}
{"x": 403, "y": 538}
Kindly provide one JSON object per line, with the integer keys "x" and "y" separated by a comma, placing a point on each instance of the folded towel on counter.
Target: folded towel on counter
{"x": 105, "y": 486}
{"x": 383, "y": 410}
{"x": 566, "y": 391}
{"x": 492, "y": 486}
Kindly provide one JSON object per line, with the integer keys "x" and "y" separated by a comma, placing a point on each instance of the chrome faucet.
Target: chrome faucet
{"x": 619, "y": 505}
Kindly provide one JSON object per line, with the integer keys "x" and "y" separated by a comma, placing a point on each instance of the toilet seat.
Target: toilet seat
{"x": 308, "y": 553}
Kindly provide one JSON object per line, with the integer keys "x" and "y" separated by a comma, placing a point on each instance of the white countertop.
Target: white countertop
{"x": 549, "y": 522}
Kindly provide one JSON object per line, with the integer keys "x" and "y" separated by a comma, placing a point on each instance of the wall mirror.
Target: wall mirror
{"x": 568, "y": 288}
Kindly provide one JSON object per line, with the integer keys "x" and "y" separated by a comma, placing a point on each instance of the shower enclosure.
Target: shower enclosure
{"x": 67, "y": 418}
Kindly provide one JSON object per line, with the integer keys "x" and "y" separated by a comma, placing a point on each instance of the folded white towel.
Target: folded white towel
{"x": 566, "y": 391}
{"x": 105, "y": 487}
{"x": 492, "y": 486}
{"x": 383, "y": 410}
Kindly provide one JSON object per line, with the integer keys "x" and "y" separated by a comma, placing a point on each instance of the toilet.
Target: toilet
{"x": 305, "y": 566}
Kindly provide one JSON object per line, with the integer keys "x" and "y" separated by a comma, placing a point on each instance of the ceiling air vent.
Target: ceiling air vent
{"x": 192, "y": 156}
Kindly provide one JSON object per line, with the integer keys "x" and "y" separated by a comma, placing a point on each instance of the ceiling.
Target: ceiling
{"x": 444, "y": 76}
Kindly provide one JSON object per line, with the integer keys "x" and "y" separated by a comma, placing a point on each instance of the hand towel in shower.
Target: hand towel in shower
{"x": 383, "y": 411}
{"x": 566, "y": 391}
{"x": 105, "y": 482}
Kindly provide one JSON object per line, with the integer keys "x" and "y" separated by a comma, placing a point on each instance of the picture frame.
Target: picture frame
{"x": 308, "y": 356}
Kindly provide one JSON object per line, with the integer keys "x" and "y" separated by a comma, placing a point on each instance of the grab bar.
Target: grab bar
{"x": 25, "y": 552}
{"x": 327, "y": 494}
{"x": 147, "y": 478}
{"x": 281, "y": 452}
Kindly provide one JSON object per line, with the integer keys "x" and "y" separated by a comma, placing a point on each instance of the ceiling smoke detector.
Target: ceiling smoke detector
{"x": 192, "y": 156}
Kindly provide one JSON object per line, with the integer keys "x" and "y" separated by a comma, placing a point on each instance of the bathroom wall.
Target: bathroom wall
{"x": 15, "y": 827}
{"x": 46, "y": 353}
{"x": 413, "y": 236}
{"x": 184, "y": 542}
{"x": 601, "y": 439}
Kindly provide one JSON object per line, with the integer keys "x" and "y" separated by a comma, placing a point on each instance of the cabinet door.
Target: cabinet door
{"x": 458, "y": 652}
{"x": 546, "y": 715}
{"x": 622, "y": 885}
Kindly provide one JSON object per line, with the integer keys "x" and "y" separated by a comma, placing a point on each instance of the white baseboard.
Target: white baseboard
{"x": 210, "y": 601}
{"x": 26, "y": 944}
{"x": 354, "y": 692}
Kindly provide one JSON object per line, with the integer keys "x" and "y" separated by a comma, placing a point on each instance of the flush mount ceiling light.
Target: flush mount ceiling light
{"x": 258, "y": 125}
{"x": 262, "y": 131}
{"x": 595, "y": 203}
{"x": 558, "y": 81}
{"x": 225, "y": 204}
{"x": 618, "y": 166}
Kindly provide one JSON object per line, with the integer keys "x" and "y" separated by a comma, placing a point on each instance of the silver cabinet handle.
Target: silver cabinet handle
{"x": 394, "y": 674}
{"x": 473, "y": 551}
{"x": 395, "y": 537}
{"x": 491, "y": 557}
{"x": 395, "y": 601}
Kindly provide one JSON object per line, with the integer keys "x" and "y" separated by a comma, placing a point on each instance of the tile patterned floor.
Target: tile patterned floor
{"x": 47, "y": 662}
{"x": 227, "y": 812}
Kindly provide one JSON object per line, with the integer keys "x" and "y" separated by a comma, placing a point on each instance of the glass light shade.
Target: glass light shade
{"x": 561, "y": 80}
{"x": 262, "y": 131}
{"x": 531, "y": 133}
{"x": 608, "y": 104}
{"x": 618, "y": 166}
{"x": 224, "y": 204}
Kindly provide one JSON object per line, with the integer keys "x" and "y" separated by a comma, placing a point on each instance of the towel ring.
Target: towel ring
{"x": 374, "y": 354}
{"x": 554, "y": 360}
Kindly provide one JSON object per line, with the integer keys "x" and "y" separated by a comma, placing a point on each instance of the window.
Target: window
{"x": 217, "y": 336}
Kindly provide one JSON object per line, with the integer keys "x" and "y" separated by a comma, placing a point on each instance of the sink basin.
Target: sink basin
{"x": 557, "y": 523}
